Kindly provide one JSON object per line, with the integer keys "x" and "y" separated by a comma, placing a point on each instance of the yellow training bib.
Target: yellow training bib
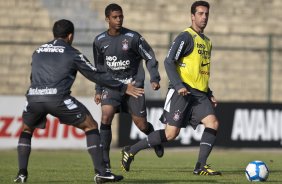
{"x": 194, "y": 69}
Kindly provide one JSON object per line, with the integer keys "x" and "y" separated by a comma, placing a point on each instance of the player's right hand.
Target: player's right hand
{"x": 97, "y": 98}
{"x": 155, "y": 85}
{"x": 134, "y": 91}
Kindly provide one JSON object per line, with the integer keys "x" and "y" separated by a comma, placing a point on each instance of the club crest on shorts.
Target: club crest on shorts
{"x": 125, "y": 45}
{"x": 176, "y": 115}
{"x": 104, "y": 95}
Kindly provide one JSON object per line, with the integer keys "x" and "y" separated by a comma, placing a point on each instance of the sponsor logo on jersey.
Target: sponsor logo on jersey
{"x": 50, "y": 48}
{"x": 204, "y": 64}
{"x": 170, "y": 49}
{"x": 204, "y": 72}
{"x": 44, "y": 91}
{"x": 145, "y": 52}
{"x": 181, "y": 64}
{"x": 101, "y": 36}
{"x": 179, "y": 50}
{"x": 202, "y": 51}
{"x": 129, "y": 34}
{"x": 124, "y": 81}
{"x": 125, "y": 45}
{"x": 106, "y": 46}
{"x": 87, "y": 62}
{"x": 114, "y": 64}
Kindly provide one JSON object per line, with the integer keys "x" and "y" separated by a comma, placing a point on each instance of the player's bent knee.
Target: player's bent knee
{"x": 142, "y": 127}
{"x": 141, "y": 124}
{"x": 88, "y": 124}
{"x": 213, "y": 125}
{"x": 27, "y": 129}
{"x": 107, "y": 119}
{"x": 171, "y": 132}
{"x": 171, "y": 135}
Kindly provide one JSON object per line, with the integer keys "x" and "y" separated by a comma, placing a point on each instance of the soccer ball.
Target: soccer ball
{"x": 257, "y": 171}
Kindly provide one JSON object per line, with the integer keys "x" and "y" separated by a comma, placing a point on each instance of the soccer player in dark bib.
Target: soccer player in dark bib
{"x": 53, "y": 70}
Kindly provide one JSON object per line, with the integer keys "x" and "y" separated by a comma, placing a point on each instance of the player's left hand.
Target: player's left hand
{"x": 97, "y": 98}
{"x": 183, "y": 91}
{"x": 155, "y": 85}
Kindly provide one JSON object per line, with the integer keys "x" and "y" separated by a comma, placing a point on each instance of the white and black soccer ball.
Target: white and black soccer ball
{"x": 257, "y": 171}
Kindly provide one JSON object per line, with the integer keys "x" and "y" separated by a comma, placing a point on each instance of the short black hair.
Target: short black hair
{"x": 112, "y": 7}
{"x": 62, "y": 28}
{"x": 199, "y": 3}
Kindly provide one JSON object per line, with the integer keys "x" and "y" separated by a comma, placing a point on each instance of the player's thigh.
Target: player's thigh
{"x": 177, "y": 110}
{"x": 108, "y": 112}
{"x": 111, "y": 97}
{"x": 140, "y": 122}
{"x": 137, "y": 107}
{"x": 171, "y": 132}
{"x": 110, "y": 103}
{"x": 88, "y": 124}
{"x": 69, "y": 111}
{"x": 202, "y": 110}
{"x": 210, "y": 121}
{"x": 34, "y": 115}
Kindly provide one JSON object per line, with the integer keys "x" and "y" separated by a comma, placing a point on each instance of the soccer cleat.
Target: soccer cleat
{"x": 206, "y": 170}
{"x": 20, "y": 178}
{"x": 107, "y": 177}
{"x": 126, "y": 158}
{"x": 159, "y": 150}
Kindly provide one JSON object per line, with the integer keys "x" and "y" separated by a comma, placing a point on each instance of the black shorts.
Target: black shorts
{"x": 68, "y": 110}
{"x": 124, "y": 103}
{"x": 181, "y": 110}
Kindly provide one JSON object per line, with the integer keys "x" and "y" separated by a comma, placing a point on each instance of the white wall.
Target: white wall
{"x": 54, "y": 136}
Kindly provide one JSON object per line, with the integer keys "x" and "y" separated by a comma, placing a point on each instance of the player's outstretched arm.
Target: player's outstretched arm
{"x": 134, "y": 91}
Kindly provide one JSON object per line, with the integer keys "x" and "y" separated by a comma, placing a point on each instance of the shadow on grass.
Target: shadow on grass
{"x": 135, "y": 181}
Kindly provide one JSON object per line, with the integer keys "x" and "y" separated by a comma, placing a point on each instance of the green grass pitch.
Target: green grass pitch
{"x": 75, "y": 166}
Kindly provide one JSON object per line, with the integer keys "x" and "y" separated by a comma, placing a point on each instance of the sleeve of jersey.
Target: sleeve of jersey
{"x": 98, "y": 89}
{"x": 102, "y": 78}
{"x": 98, "y": 63}
{"x": 177, "y": 49}
{"x": 98, "y": 56}
{"x": 147, "y": 53}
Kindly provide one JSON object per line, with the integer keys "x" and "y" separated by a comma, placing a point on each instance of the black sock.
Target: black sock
{"x": 206, "y": 145}
{"x": 149, "y": 129}
{"x": 106, "y": 139}
{"x": 155, "y": 138}
{"x": 24, "y": 149}
{"x": 94, "y": 148}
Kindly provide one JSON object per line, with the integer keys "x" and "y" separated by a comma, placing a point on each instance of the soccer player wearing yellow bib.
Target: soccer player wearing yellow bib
{"x": 189, "y": 99}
